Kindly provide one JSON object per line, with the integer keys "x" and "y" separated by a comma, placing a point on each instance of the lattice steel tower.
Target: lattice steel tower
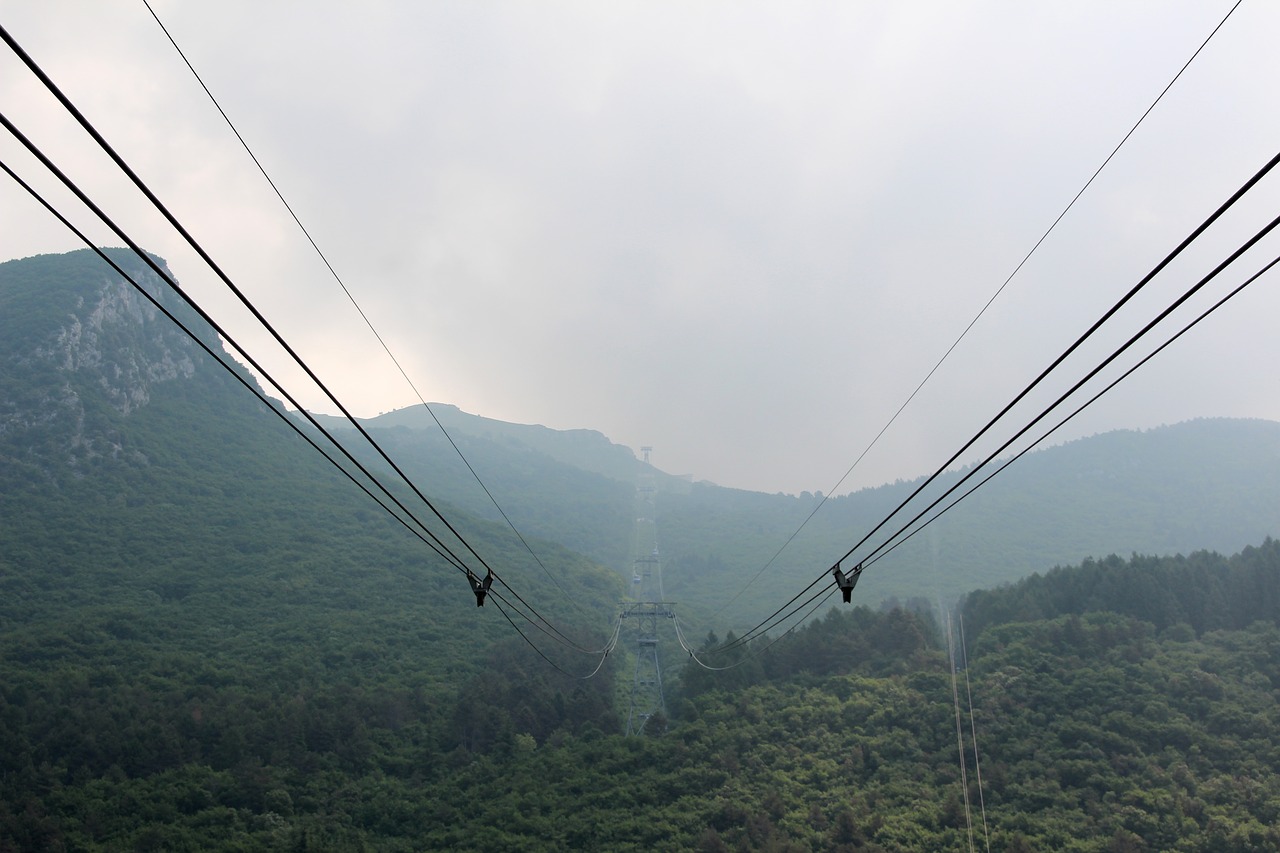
{"x": 646, "y": 607}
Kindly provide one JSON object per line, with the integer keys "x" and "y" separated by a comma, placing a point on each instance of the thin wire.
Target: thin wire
{"x": 1223, "y": 208}
{"x": 1249, "y": 184}
{"x": 1085, "y": 405}
{"x": 609, "y": 646}
{"x": 955, "y": 699}
{"x": 333, "y": 272}
{"x": 239, "y": 377}
{"x": 191, "y": 241}
{"x": 543, "y": 655}
{"x": 684, "y": 644}
{"x": 107, "y": 148}
{"x": 983, "y": 311}
{"x": 75, "y": 189}
{"x": 133, "y": 245}
{"x": 1092, "y": 373}
{"x": 753, "y": 650}
{"x": 973, "y": 730}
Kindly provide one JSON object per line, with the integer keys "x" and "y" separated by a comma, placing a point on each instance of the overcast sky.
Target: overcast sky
{"x": 742, "y": 233}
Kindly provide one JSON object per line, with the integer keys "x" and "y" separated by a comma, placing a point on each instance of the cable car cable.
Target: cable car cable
{"x": 1223, "y": 208}
{"x": 1082, "y": 407}
{"x": 781, "y": 615}
{"x": 448, "y": 558}
{"x": 870, "y": 561}
{"x": 334, "y": 273}
{"x": 1248, "y": 185}
{"x": 447, "y": 555}
{"x": 983, "y": 310}
{"x": 442, "y": 549}
{"x": 191, "y": 241}
{"x": 554, "y": 632}
{"x": 604, "y": 654}
{"x": 142, "y": 254}
{"x": 1248, "y": 244}
{"x": 767, "y": 621}
{"x": 129, "y": 172}
{"x": 75, "y": 189}
{"x": 819, "y": 597}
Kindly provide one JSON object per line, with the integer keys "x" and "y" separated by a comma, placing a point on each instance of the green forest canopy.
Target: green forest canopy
{"x": 1099, "y": 730}
{"x": 208, "y": 640}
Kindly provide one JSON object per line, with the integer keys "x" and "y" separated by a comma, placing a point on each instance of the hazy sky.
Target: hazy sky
{"x": 739, "y": 232}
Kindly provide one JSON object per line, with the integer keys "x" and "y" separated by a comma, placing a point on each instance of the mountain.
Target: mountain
{"x": 211, "y": 639}
{"x": 182, "y": 579}
{"x": 1206, "y": 484}
{"x": 584, "y": 449}
{"x": 99, "y": 390}
{"x": 573, "y": 487}
{"x": 123, "y": 442}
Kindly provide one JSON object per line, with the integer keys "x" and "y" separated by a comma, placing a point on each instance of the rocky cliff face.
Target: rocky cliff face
{"x": 86, "y": 350}
{"x": 84, "y": 345}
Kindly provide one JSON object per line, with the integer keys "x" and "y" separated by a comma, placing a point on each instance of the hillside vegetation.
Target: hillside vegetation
{"x": 1097, "y": 731}
{"x": 211, "y": 640}
{"x": 1208, "y": 484}
{"x": 183, "y": 580}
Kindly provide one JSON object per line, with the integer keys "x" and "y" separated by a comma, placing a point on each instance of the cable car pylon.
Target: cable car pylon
{"x": 646, "y": 606}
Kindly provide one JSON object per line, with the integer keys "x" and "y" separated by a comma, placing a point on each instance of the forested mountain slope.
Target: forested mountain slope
{"x": 124, "y": 447}
{"x": 1199, "y": 592}
{"x": 1207, "y": 484}
{"x": 1096, "y": 732}
{"x": 183, "y": 580}
{"x": 210, "y": 640}
{"x": 1212, "y": 484}
{"x": 586, "y": 504}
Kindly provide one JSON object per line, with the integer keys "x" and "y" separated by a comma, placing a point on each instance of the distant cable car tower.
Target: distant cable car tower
{"x": 646, "y": 607}
{"x": 647, "y": 696}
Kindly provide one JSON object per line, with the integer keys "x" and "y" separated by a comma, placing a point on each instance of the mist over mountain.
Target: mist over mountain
{"x": 113, "y": 419}
{"x": 147, "y": 494}
{"x": 1207, "y": 484}
{"x": 211, "y": 639}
